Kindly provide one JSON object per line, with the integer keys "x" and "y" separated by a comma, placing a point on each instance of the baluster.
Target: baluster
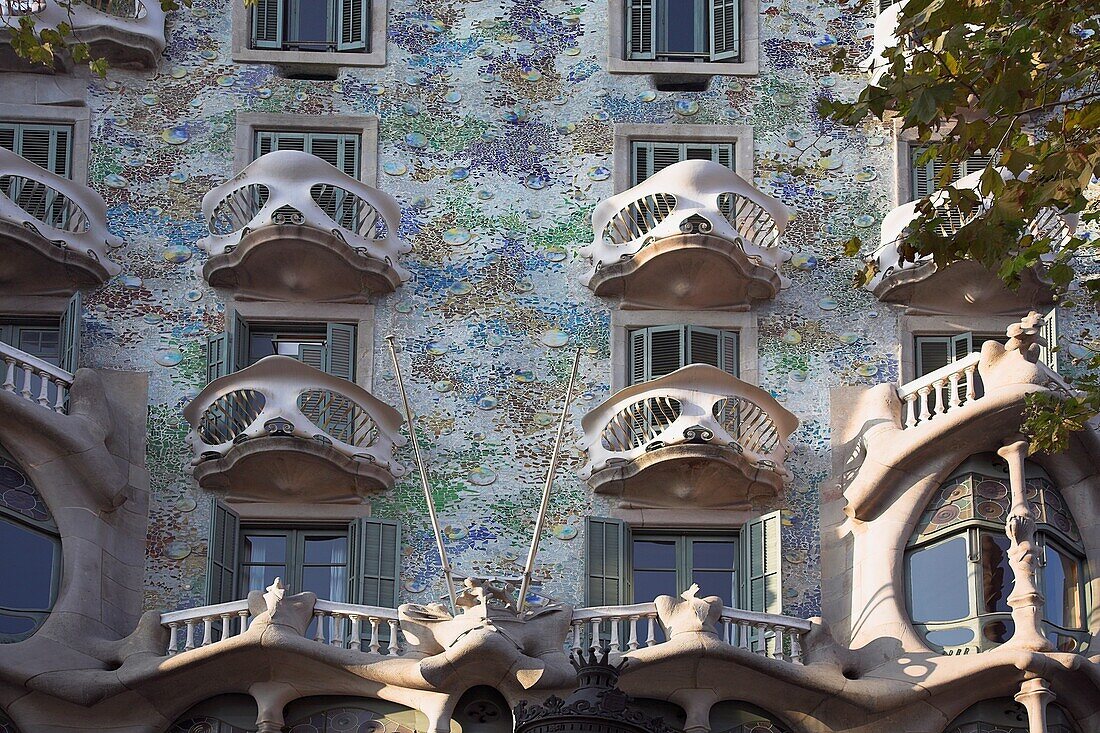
{"x": 594, "y": 644}
{"x": 615, "y": 635}
{"x": 576, "y": 626}
{"x": 59, "y": 402}
{"x": 354, "y": 639}
{"x": 796, "y": 647}
{"x": 189, "y": 644}
{"x": 44, "y": 389}
{"x": 173, "y": 637}
{"x": 923, "y": 392}
{"x": 763, "y": 631}
{"x": 632, "y": 644}
{"x": 971, "y": 395}
{"x": 227, "y": 626}
{"x": 28, "y": 373}
{"x": 373, "y": 645}
{"x": 319, "y": 631}
{"x": 208, "y": 630}
{"x": 911, "y": 411}
{"x": 953, "y": 386}
{"x": 651, "y": 631}
{"x": 9, "y": 375}
{"x": 337, "y": 638}
{"x": 779, "y": 642}
{"x": 243, "y": 615}
{"x": 939, "y": 386}
{"x": 393, "y": 649}
{"x": 727, "y": 630}
{"x": 743, "y": 635}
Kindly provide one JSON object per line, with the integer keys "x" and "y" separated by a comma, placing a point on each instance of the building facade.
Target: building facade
{"x": 783, "y": 504}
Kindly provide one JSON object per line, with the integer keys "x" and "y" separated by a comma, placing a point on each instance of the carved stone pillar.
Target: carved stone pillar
{"x": 1035, "y": 695}
{"x": 1025, "y": 600}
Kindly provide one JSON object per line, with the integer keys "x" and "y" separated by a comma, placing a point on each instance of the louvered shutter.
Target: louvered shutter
{"x": 7, "y": 136}
{"x": 974, "y": 164}
{"x": 605, "y": 562}
{"x": 725, "y": 30}
{"x": 933, "y": 352}
{"x": 666, "y": 154}
{"x": 666, "y": 350}
{"x": 962, "y": 345}
{"x": 313, "y": 355}
{"x": 221, "y": 554}
{"x": 642, "y": 167}
{"x": 723, "y": 155}
{"x": 641, "y": 30}
{"x": 703, "y": 346}
{"x": 340, "y": 351}
{"x": 1049, "y": 331}
{"x": 218, "y": 359}
{"x": 760, "y": 571}
{"x": 924, "y": 175}
{"x": 639, "y": 355}
{"x": 47, "y": 146}
{"x": 69, "y": 351}
{"x": 376, "y": 562}
{"x": 730, "y": 361}
{"x": 353, "y": 18}
{"x": 267, "y": 24}
{"x": 240, "y": 338}
{"x": 264, "y": 142}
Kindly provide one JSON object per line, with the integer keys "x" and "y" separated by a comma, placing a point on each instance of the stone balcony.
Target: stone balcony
{"x": 281, "y": 430}
{"x": 53, "y": 232}
{"x": 34, "y": 380}
{"x": 291, "y": 227}
{"x": 963, "y": 287}
{"x": 693, "y": 236}
{"x": 128, "y": 33}
{"x": 886, "y": 27}
{"x": 697, "y": 437}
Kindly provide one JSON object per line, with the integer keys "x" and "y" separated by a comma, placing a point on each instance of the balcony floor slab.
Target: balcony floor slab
{"x": 31, "y": 264}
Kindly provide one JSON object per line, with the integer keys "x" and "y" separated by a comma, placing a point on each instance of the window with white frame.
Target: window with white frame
{"x": 648, "y": 157}
{"x": 311, "y": 25}
{"x": 683, "y": 30}
{"x": 659, "y": 350}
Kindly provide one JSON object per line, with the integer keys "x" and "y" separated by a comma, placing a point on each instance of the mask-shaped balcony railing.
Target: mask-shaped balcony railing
{"x": 696, "y": 407}
{"x": 686, "y": 215}
{"x": 127, "y": 32}
{"x": 290, "y": 188}
{"x": 56, "y": 238}
{"x": 281, "y": 397}
{"x": 33, "y": 379}
{"x": 972, "y": 287}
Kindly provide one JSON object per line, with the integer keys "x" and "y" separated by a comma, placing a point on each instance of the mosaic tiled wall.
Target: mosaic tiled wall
{"x": 495, "y": 136}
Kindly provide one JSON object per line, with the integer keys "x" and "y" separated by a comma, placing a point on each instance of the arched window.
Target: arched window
{"x": 740, "y": 717}
{"x": 483, "y": 710}
{"x": 1005, "y": 715}
{"x": 221, "y": 714}
{"x": 28, "y": 588}
{"x": 958, "y": 576}
{"x": 333, "y": 714}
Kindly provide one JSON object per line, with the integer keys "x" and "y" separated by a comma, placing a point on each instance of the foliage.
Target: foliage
{"x": 1018, "y": 80}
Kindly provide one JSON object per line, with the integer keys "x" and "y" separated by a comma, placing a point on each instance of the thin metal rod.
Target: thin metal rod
{"x": 529, "y": 567}
{"x": 447, "y": 575}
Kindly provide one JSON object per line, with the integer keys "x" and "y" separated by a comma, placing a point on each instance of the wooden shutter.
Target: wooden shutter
{"x": 642, "y": 167}
{"x": 725, "y": 30}
{"x": 340, "y": 351}
{"x": 704, "y": 346}
{"x": 267, "y": 24}
{"x": 221, "y": 554}
{"x": 219, "y": 361}
{"x": 730, "y": 353}
{"x": 760, "y": 571}
{"x": 666, "y": 154}
{"x": 605, "y": 562}
{"x": 666, "y": 350}
{"x": 1049, "y": 332}
{"x": 353, "y": 20}
{"x": 639, "y": 355}
{"x": 240, "y": 338}
{"x": 47, "y": 146}
{"x": 962, "y": 345}
{"x": 313, "y": 355}
{"x": 641, "y": 30}
{"x": 263, "y": 143}
{"x": 724, "y": 155}
{"x": 69, "y": 346}
{"x": 933, "y": 352}
{"x": 375, "y": 561}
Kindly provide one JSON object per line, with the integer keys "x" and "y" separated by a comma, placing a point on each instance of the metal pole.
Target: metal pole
{"x": 529, "y": 567}
{"x": 424, "y": 481}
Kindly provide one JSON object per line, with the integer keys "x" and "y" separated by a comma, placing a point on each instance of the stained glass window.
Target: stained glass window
{"x": 1006, "y": 716}
{"x": 739, "y": 717}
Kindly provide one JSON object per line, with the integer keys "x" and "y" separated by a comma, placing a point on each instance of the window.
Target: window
{"x": 351, "y": 563}
{"x": 926, "y": 175}
{"x": 683, "y": 30}
{"x": 648, "y": 157}
{"x": 28, "y": 588}
{"x": 659, "y": 350}
{"x": 738, "y": 717}
{"x": 957, "y": 566}
{"x": 338, "y": 149}
{"x": 666, "y": 564}
{"x": 937, "y": 351}
{"x": 47, "y": 146}
{"x": 311, "y": 25}
{"x": 330, "y": 347}
{"x": 55, "y": 341}
{"x": 1007, "y": 716}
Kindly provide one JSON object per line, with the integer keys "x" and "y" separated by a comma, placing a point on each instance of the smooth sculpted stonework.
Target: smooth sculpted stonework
{"x": 694, "y": 235}
{"x": 292, "y": 227}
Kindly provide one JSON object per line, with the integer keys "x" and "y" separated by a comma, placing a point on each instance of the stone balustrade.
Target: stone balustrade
{"x": 54, "y": 220}
{"x": 35, "y": 380}
{"x": 937, "y": 393}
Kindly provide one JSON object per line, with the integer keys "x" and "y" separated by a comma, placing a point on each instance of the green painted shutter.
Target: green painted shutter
{"x": 1049, "y": 332}
{"x": 666, "y": 350}
{"x": 263, "y": 143}
{"x": 240, "y": 338}
{"x": 47, "y": 146}
{"x": 666, "y": 154}
{"x": 639, "y": 361}
{"x": 375, "y": 562}
{"x": 221, "y": 554}
{"x": 340, "y": 351}
{"x": 724, "y": 155}
{"x": 725, "y": 30}
{"x": 218, "y": 356}
{"x": 353, "y": 19}
{"x": 69, "y": 347}
{"x": 761, "y": 571}
{"x": 925, "y": 175}
{"x": 704, "y": 346}
{"x": 962, "y": 345}
{"x": 267, "y": 24}
{"x": 933, "y": 352}
{"x": 730, "y": 354}
{"x": 641, "y": 30}
{"x": 605, "y": 562}
{"x": 642, "y": 165}
{"x": 313, "y": 355}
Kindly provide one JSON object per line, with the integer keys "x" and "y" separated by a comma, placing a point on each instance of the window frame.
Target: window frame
{"x": 307, "y": 61}
{"x": 76, "y": 117}
{"x": 749, "y": 65}
{"x": 294, "y": 561}
{"x": 365, "y": 126}
{"x": 910, "y": 327}
{"x": 684, "y": 538}
{"x": 626, "y": 135}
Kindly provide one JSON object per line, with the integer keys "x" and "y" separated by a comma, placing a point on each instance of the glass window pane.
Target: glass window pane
{"x": 996, "y": 573}
{"x": 1062, "y": 589}
{"x": 259, "y": 346}
{"x": 655, "y": 554}
{"x": 329, "y": 583}
{"x": 716, "y": 555}
{"x": 313, "y": 21}
{"x": 259, "y": 577}
{"x": 26, "y": 575}
{"x": 648, "y": 584}
{"x": 40, "y": 342}
{"x": 264, "y": 549}
{"x": 715, "y": 583}
{"x": 939, "y": 587}
{"x": 680, "y": 29}
{"x": 327, "y": 550}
